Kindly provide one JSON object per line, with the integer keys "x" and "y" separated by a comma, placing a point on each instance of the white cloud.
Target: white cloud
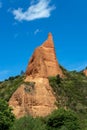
{"x": 36, "y": 11}
{"x": 36, "y": 31}
{"x": 0, "y": 4}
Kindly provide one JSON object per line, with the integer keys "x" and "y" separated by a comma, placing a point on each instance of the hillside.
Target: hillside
{"x": 9, "y": 86}
{"x": 70, "y": 92}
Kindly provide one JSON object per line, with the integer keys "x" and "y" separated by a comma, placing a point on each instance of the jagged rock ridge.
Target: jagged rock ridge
{"x": 38, "y": 100}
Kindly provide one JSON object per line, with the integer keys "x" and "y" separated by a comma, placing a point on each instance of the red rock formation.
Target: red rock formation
{"x": 36, "y": 101}
{"x": 39, "y": 100}
{"x": 43, "y": 63}
{"x": 85, "y": 72}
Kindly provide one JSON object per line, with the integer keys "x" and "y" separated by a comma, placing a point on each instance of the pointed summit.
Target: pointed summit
{"x": 43, "y": 63}
{"x": 50, "y": 37}
{"x": 49, "y": 42}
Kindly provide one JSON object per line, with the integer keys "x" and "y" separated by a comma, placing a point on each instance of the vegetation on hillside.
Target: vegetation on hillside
{"x": 8, "y": 87}
{"x": 63, "y": 120}
{"x": 71, "y": 93}
{"x": 6, "y": 116}
{"x": 59, "y": 120}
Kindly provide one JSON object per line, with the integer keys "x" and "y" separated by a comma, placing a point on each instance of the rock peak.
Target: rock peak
{"x": 43, "y": 62}
{"x": 50, "y": 36}
{"x": 49, "y": 42}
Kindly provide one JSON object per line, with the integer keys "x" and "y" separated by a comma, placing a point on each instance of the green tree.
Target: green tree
{"x": 28, "y": 123}
{"x": 6, "y": 116}
{"x": 63, "y": 120}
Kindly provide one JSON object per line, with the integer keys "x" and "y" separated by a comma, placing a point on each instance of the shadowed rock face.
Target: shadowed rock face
{"x": 37, "y": 100}
{"x": 43, "y": 63}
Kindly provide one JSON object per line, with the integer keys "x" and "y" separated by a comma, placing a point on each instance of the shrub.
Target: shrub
{"x": 6, "y": 116}
{"x": 8, "y": 87}
{"x": 63, "y": 120}
{"x": 28, "y": 123}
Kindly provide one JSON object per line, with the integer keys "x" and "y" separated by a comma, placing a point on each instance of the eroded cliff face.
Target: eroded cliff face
{"x": 37, "y": 100}
{"x": 35, "y": 96}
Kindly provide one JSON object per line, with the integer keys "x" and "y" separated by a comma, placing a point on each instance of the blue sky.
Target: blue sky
{"x": 24, "y": 25}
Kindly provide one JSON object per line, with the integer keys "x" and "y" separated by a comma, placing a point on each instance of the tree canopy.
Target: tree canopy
{"x": 6, "y": 116}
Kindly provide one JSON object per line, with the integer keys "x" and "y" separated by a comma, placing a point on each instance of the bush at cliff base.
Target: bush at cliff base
{"x": 63, "y": 120}
{"x": 28, "y": 123}
{"x": 6, "y": 116}
{"x": 59, "y": 120}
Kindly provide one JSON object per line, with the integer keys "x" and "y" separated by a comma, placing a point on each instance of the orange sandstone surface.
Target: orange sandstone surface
{"x": 37, "y": 98}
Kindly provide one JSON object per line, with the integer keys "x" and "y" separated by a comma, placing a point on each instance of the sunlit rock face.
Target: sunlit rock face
{"x": 43, "y": 62}
{"x": 37, "y": 97}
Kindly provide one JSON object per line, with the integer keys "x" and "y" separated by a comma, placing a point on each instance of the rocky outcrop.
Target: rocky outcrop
{"x": 35, "y": 96}
{"x": 37, "y": 100}
{"x": 85, "y": 72}
{"x": 43, "y": 63}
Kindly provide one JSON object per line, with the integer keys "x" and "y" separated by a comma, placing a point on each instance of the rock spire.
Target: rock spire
{"x": 43, "y": 62}
{"x": 35, "y": 96}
